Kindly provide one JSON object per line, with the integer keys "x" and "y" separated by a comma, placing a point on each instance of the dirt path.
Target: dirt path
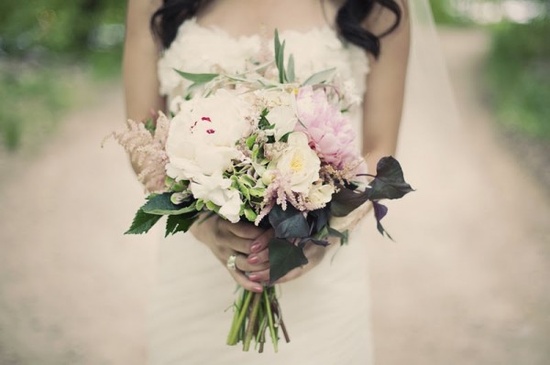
{"x": 467, "y": 282}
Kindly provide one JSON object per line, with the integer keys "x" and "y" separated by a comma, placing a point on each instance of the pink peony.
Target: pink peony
{"x": 330, "y": 132}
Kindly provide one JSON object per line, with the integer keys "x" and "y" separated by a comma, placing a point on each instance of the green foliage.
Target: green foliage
{"x": 56, "y": 25}
{"x": 38, "y": 39}
{"x": 444, "y": 14}
{"x": 143, "y": 222}
{"x": 31, "y": 100}
{"x": 519, "y": 75}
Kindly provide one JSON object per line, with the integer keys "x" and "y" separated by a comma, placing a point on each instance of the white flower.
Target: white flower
{"x": 217, "y": 189}
{"x": 299, "y": 162}
{"x": 320, "y": 195}
{"x": 282, "y": 110}
{"x": 203, "y": 135}
{"x": 284, "y": 118}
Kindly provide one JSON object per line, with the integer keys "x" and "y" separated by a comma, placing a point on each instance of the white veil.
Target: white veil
{"x": 428, "y": 82}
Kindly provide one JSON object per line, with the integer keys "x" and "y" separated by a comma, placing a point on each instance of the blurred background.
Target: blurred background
{"x": 468, "y": 284}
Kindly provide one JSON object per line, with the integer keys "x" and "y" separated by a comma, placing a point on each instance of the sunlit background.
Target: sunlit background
{"x": 74, "y": 291}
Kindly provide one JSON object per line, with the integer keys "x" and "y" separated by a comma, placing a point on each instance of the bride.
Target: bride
{"x": 325, "y": 303}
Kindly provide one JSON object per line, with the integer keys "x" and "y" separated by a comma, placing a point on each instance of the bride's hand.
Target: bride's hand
{"x": 246, "y": 241}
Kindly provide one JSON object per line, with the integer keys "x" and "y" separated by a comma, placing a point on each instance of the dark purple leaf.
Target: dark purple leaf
{"x": 289, "y": 223}
{"x": 318, "y": 219}
{"x": 389, "y": 182}
{"x": 345, "y": 201}
{"x": 380, "y": 212}
{"x": 283, "y": 257}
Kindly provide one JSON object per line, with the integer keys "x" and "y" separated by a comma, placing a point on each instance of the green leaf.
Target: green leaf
{"x": 389, "y": 182}
{"x": 257, "y": 192}
{"x": 142, "y": 222}
{"x": 197, "y": 78}
{"x": 284, "y": 137}
{"x": 250, "y": 214}
{"x": 150, "y": 125}
{"x": 291, "y": 74}
{"x": 162, "y": 205}
{"x": 323, "y": 243}
{"x": 212, "y": 207}
{"x": 250, "y": 141}
{"x": 280, "y": 57}
{"x": 336, "y": 233}
{"x": 247, "y": 180}
{"x": 283, "y": 257}
{"x": 289, "y": 223}
{"x": 319, "y": 77}
{"x": 263, "y": 123}
{"x": 245, "y": 190}
{"x": 179, "y": 223}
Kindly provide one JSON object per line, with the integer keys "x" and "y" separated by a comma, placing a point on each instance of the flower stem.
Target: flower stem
{"x": 271, "y": 324}
{"x": 252, "y": 321}
{"x": 238, "y": 319}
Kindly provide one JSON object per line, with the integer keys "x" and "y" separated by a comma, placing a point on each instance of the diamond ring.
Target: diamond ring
{"x": 231, "y": 262}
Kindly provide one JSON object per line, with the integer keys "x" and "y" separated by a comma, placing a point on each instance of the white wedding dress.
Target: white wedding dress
{"x": 327, "y": 310}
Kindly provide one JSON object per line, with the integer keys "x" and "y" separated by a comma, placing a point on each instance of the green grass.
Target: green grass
{"x": 519, "y": 77}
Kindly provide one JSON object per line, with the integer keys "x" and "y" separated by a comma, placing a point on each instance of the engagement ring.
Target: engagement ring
{"x": 231, "y": 262}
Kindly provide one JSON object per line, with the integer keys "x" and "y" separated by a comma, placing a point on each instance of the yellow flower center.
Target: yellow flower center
{"x": 297, "y": 163}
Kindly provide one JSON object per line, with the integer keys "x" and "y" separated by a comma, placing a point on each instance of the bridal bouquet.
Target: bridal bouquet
{"x": 268, "y": 150}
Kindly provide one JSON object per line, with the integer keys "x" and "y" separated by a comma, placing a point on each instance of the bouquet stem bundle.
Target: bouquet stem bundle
{"x": 255, "y": 314}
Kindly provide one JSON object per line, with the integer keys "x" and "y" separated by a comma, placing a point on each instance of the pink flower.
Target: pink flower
{"x": 330, "y": 133}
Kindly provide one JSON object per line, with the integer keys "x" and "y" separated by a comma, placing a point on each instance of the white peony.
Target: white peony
{"x": 203, "y": 135}
{"x": 299, "y": 162}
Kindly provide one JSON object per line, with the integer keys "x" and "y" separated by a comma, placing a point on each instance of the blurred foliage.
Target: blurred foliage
{"x": 443, "y": 13}
{"x": 45, "y": 47}
{"x": 519, "y": 76}
{"x": 54, "y": 25}
{"x": 31, "y": 100}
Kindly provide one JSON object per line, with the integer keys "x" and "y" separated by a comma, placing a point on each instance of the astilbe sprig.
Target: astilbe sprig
{"x": 146, "y": 147}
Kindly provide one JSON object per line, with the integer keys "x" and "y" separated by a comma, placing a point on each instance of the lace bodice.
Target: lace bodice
{"x": 200, "y": 49}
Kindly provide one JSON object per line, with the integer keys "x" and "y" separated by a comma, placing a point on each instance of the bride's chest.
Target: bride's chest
{"x": 200, "y": 49}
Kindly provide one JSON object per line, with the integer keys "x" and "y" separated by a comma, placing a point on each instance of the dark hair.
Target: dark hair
{"x": 167, "y": 19}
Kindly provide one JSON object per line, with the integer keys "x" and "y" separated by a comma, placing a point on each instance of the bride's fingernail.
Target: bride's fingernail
{"x": 253, "y": 277}
{"x": 257, "y": 288}
{"x": 253, "y": 259}
{"x": 255, "y": 247}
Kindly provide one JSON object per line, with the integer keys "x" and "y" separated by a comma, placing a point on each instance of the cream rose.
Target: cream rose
{"x": 299, "y": 162}
{"x": 320, "y": 195}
